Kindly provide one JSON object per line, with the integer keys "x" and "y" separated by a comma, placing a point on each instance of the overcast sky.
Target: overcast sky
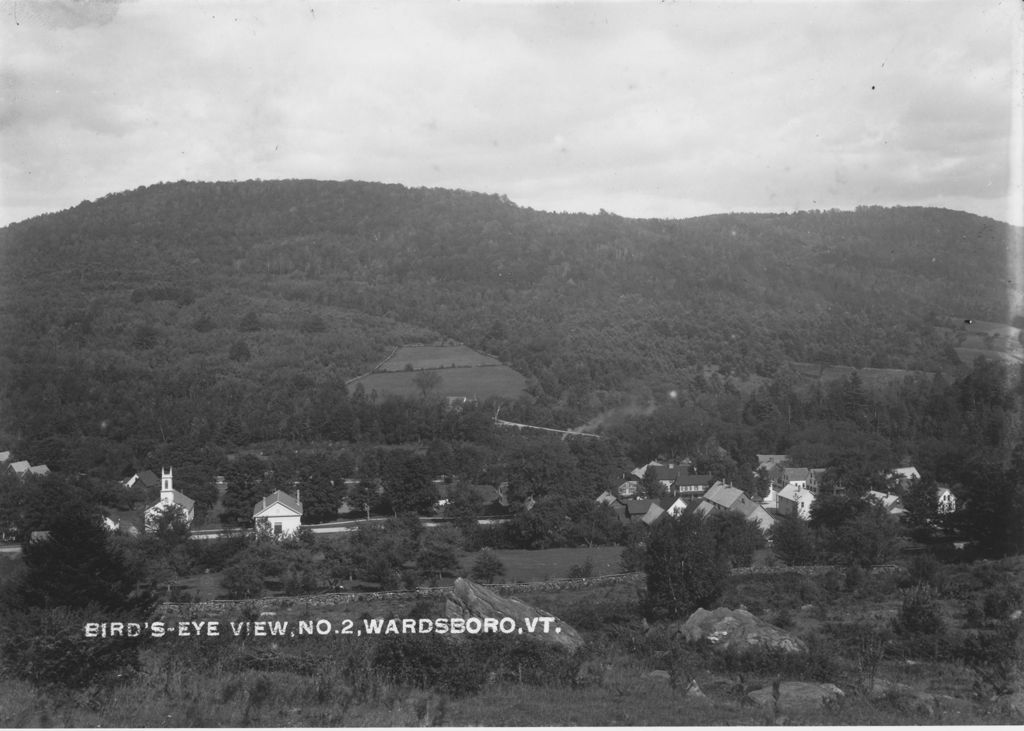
{"x": 640, "y": 108}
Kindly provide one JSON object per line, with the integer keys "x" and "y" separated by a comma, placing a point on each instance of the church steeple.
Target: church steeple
{"x": 166, "y": 485}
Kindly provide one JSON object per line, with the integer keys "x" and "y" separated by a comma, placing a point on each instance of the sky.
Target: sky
{"x": 643, "y": 109}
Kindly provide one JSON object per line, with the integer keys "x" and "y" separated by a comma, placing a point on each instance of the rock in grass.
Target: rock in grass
{"x": 468, "y": 599}
{"x": 797, "y": 697}
{"x": 737, "y": 630}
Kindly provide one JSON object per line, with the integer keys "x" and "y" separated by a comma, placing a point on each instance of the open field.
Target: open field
{"x": 423, "y": 357}
{"x": 480, "y": 382}
{"x": 552, "y": 563}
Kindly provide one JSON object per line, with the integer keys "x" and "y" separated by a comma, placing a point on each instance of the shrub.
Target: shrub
{"x": 920, "y": 612}
{"x": 47, "y": 646}
{"x": 582, "y": 571}
{"x": 996, "y": 655}
{"x": 1001, "y": 601}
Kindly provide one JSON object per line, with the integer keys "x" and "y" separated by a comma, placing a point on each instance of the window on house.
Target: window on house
{"x": 277, "y": 529}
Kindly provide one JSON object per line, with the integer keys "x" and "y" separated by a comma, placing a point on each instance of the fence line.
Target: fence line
{"x": 217, "y": 606}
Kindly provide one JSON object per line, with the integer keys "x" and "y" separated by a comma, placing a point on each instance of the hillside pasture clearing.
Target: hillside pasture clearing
{"x": 425, "y": 357}
{"x": 480, "y": 382}
{"x": 552, "y": 563}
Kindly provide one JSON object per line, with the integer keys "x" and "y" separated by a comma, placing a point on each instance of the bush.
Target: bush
{"x": 582, "y": 571}
{"x": 47, "y": 646}
{"x": 1000, "y": 602}
{"x": 920, "y": 612}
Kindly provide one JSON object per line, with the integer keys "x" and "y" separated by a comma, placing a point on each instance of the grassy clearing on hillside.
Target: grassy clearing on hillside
{"x": 422, "y": 357}
{"x": 480, "y": 382}
{"x": 552, "y": 563}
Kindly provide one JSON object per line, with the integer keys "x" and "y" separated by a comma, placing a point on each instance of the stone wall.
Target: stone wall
{"x": 313, "y": 601}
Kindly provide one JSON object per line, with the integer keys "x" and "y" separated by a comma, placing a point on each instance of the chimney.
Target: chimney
{"x": 298, "y": 496}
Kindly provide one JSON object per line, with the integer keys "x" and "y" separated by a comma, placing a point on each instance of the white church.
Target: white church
{"x": 169, "y": 496}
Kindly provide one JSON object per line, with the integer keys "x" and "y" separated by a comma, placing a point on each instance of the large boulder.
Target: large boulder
{"x": 794, "y": 697}
{"x": 467, "y": 599}
{"x": 737, "y": 630}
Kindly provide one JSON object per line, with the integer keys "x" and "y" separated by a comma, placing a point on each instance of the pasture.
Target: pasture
{"x": 551, "y": 563}
{"x": 480, "y": 382}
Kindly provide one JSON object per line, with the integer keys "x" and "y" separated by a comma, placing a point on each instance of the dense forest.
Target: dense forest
{"x": 210, "y": 316}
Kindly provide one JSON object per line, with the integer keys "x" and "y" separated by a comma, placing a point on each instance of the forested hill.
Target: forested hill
{"x": 229, "y": 303}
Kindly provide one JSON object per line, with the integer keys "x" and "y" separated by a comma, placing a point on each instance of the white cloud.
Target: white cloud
{"x": 642, "y": 109}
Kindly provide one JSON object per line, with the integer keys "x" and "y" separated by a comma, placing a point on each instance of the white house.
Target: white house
{"x": 946, "y": 500}
{"x": 795, "y": 500}
{"x": 20, "y": 468}
{"x": 169, "y": 496}
{"x": 281, "y": 512}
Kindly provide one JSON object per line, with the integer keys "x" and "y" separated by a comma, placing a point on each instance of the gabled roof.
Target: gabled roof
{"x": 886, "y": 500}
{"x": 667, "y": 502}
{"x": 653, "y": 513}
{"x": 4, "y": 456}
{"x": 178, "y": 498}
{"x": 277, "y": 497}
{"x": 39, "y": 469}
{"x": 796, "y": 474}
{"x": 20, "y": 467}
{"x": 693, "y": 480}
{"x": 904, "y": 473}
{"x": 149, "y": 478}
{"x": 723, "y": 495}
{"x": 637, "y": 507}
{"x": 793, "y": 492}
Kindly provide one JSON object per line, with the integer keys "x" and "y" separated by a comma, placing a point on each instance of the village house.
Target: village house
{"x": 169, "y": 496}
{"x": 280, "y": 512}
{"x": 795, "y": 500}
{"x": 145, "y": 479}
{"x": 890, "y": 502}
{"x": 690, "y": 486}
{"x": 23, "y": 468}
{"x": 946, "y": 500}
{"x": 723, "y": 497}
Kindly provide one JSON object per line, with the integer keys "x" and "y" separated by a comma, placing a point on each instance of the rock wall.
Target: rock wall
{"x": 268, "y": 604}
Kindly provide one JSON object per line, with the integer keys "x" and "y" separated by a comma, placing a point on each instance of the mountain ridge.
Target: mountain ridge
{"x": 198, "y": 295}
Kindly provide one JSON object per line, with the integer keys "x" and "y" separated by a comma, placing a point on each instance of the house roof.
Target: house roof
{"x": 653, "y": 513}
{"x": 39, "y": 469}
{"x": 885, "y": 499}
{"x": 904, "y": 473}
{"x": 793, "y": 492}
{"x": 793, "y": 474}
{"x": 178, "y": 498}
{"x": 4, "y": 456}
{"x": 667, "y": 502}
{"x": 149, "y": 478}
{"x": 667, "y": 473}
{"x": 20, "y": 467}
{"x": 693, "y": 480}
{"x": 278, "y": 497}
{"x": 637, "y": 507}
{"x": 723, "y": 495}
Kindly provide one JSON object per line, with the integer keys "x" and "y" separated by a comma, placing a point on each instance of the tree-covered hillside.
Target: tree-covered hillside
{"x": 235, "y": 312}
